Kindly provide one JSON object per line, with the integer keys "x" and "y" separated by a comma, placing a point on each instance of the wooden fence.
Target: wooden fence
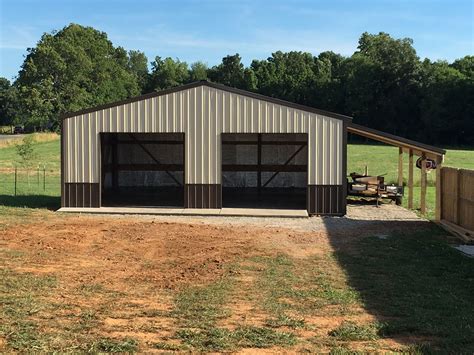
{"x": 457, "y": 198}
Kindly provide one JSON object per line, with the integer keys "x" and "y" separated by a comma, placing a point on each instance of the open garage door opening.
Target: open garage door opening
{"x": 264, "y": 170}
{"x": 142, "y": 169}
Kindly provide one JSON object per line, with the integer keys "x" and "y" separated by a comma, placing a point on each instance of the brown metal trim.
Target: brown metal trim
{"x": 81, "y": 195}
{"x": 144, "y": 167}
{"x": 203, "y": 196}
{"x": 326, "y": 200}
{"x": 63, "y": 190}
{"x": 264, "y": 142}
{"x": 120, "y": 142}
{"x": 265, "y": 168}
{"x": 344, "y": 168}
{"x": 215, "y": 86}
{"x": 392, "y": 139}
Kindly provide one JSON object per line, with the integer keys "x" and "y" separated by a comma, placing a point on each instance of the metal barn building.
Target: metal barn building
{"x": 205, "y": 146}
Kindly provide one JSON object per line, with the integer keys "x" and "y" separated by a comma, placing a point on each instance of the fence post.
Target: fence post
{"x": 439, "y": 193}
{"x": 15, "y": 180}
{"x": 38, "y": 176}
{"x": 44, "y": 178}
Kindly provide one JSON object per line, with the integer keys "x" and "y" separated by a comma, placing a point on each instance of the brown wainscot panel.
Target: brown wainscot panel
{"x": 81, "y": 195}
{"x": 326, "y": 200}
{"x": 203, "y": 196}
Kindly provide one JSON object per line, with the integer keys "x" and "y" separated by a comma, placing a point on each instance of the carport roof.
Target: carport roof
{"x": 417, "y": 147}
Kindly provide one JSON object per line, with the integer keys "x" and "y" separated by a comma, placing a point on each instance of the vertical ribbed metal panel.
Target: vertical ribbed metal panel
{"x": 203, "y": 113}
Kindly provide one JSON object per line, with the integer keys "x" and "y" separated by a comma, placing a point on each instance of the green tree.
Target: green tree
{"x": 138, "y": 66}
{"x": 198, "y": 71}
{"x": 26, "y": 151}
{"x": 7, "y": 102}
{"x": 288, "y": 76}
{"x": 447, "y": 104}
{"x": 465, "y": 66}
{"x": 231, "y": 72}
{"x": 382, "y": 84}
{"x": 167, "y": 73}
{"x": 71, "y": 69}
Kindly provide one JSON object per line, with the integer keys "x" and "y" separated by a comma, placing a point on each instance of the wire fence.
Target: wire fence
{"x": 34, "y": 181}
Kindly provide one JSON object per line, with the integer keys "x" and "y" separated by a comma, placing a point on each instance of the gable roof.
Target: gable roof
{"x": 351, "y": 127}
{"x": 215, "y": 86}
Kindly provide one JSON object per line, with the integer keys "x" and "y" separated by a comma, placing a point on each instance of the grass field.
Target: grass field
{"x": 380, "y": 160}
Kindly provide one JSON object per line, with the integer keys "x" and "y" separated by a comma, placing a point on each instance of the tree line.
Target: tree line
{"x": 383, "y": 84}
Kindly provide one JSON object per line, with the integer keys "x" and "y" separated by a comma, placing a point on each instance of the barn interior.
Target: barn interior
{"x": 264, "y": 170}
{"x": 142, "y": 169}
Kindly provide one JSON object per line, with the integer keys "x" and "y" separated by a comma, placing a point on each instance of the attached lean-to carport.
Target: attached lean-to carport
{"x": 412, "y": 148}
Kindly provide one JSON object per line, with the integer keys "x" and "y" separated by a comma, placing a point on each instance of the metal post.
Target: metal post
{"x": 44, "y": 178}
{"x": 38, "y": 176}
{"x": 15, "y": 180}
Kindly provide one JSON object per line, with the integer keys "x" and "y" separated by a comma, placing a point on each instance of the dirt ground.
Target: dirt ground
{"x": 146, "y": 260}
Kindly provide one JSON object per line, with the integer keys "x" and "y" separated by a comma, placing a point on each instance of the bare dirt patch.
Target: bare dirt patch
{"x": 116, "y": 253}
{"x": 119, "y": 277}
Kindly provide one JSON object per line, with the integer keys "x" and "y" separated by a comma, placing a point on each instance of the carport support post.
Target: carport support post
{"x": 410, "y": 179}
{"x": 400, "y": 166}
{"x": 438, "y": 191}
{"x": 423, "y": 184}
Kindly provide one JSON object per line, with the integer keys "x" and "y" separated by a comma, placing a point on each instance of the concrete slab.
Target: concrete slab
{"x": 256, "y": 212}
{"x": 201, "y": 211}
{"x": 241, "y": 212}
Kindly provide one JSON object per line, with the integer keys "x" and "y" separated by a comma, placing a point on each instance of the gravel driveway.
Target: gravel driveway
{"x": 359, "y": 218}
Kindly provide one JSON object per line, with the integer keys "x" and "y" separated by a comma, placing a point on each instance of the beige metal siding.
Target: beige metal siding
{"x": 203, "y": 113}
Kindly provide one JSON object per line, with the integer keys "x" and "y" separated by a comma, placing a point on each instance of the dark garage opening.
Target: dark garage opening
{"x": 142, "y": 169}
{"x": 264, "y": 170}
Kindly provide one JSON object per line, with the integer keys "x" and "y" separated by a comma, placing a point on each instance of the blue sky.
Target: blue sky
{"x": 208, "y": 30}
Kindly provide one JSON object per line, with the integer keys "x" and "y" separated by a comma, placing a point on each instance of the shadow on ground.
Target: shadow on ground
{"x": 418, "y": 287}
{"x": 31, "y": 201}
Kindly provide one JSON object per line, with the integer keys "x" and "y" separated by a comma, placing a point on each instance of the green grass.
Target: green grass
{"x": 383, "y": 160}
{"x": 198, "y": 309}
{"x": 28, "y": 322}
{"x": 218, "y": 339}
{"x": 34, "y": 188}
{"x": 418, "y": 285}
{"x": 354, "y": 332}
{"x": 202, "y": 306}
{"x": 311, "y": 290}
